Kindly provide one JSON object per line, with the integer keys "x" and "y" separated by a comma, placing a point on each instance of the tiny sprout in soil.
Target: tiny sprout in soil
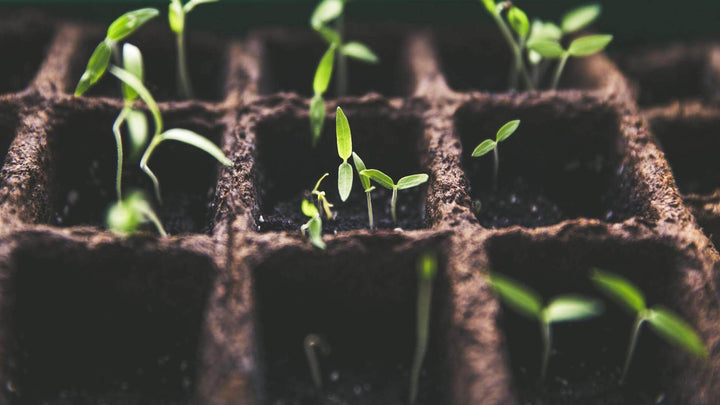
{"x": 427, "y": 270}
{"x": 312, "y": 344}
{"x": 667, "y": 324}
{"x": 527, "y": 302}
{"x": 404, "y": 183}
{"x": 326, "y": 12}
{"x": 313, "y": 227}
{"x": 126, "y": 215}
{"x": 344, "y": 147}
{"x": 322, "y": 201}
{"x": 491, "y": 145}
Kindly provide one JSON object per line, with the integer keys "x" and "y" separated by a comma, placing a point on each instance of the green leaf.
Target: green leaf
{"x": 519, "y": 297}
{"x": 96, "y": 67}
{"x": 546, "y": 48}
{"x": 330, "y": 35}
{"x": 489, "y": 5}
{"x": 427, "y": 266}
{"x": 412, "y": 181}
{"x": 676, "y": 331}
{"x": 309, "y": 209}
{"x": 519, "y": 22}
{"x": 506, "y": 130}
{"x": 359, "y": 51}
{"x": 545, "y": 30}
{"x": 325, "y": 12}
{"x": 345, "y": 180}
{"x": 571, "y": 308}
{"x": 137, "y": 129}
{"x": 324, "y": 71}
{"x": 580, "y": 17}
{"x": 196, "y": 140}
{"x": 133, "y": 63}
{"x": 190, "y": 5}
{"x": 484, "y": 147}
{"x": 122, "y": 218}
{"x": 589, "y": 45}
{"x": 315, "y": 232}
{"x": 176, "y": 16}
{"x": 127, "y": 23}
{"x": 132, "y": 81}
{"x": 379, "y": 177}
{"x": 317, "y": 117}
{"x": 619, "y": 289}
{"x": 344, "y": 137}
{"x": 359, "y": 167}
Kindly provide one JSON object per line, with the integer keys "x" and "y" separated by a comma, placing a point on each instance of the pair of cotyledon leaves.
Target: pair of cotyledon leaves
{"x": 502, "y": 134}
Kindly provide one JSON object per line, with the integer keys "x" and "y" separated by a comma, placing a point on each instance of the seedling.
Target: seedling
{"x": 365, "y": 181}
{"x": 344, "y": 147}
{"x": 322, "y": 202}
{"x": 326, "y": 12}
{"x": 492, "y": 145}
{"x": 313, "y": 227}
{"x": 427, "y": 270}
{"x": 126, "y": 216}
{"x": 564, "y": 308}
{"x": 312, "y": 344}
{"x": 584, "y": 46}
{"x": 176, "y": 16}
{"x": 663, "y": 321}
{"x": 404, "y": 183}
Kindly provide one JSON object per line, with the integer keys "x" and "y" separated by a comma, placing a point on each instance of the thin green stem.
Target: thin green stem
{"x": 559, "y": 70}
{"x": 517, "y": 53}
{"x": 393, "y": 203}
{"x": 342, "y": 76}
{"x": 631, "y": 346}
{"x": 546, "y": 337}
{"x": 369, "y": 207}
{"x": 183, "y": 71}
{"x": 118, "y": 143}
{"x": 310, "y": 344}
{"x": 423, "y": 331}
{"x": 150, "y": 215}
{"x": 496, "y": 166}
{"x": 144, "y": 165}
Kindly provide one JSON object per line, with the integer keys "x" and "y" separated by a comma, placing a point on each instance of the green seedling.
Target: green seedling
{"x": 313, "y": 343}
{"x": 581, "y": 47}
{"x": 126, "y": 215}
{"x": 663, "y": 321}
{"x": 564, "y": 308}
{"x": 313, "y": 227}
{"x": 427, "y": 270}
{"x": 344, "y": 148}
{"x": 404, "y": 183}
{"x": 492, "y": 145}
{"x": 326, "y": 12}
{"x": 322, "y": 201}
{"x": 176, "y": 16}
{"x": 120, "y": 29}
{"x": 365, "y": 181}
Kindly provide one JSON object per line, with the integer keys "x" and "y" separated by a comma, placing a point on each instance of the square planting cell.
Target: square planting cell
{"x": 105, "y": 324}
{"x": 23, "y": 44}
{"x": 83, "y": 162}
{"x": 290, "y": 59}
{"x": 587, "y": 356}
{"x": 362, "y": 302}
{"x": 288, "y": 166}
{"x": 562, "y": 163}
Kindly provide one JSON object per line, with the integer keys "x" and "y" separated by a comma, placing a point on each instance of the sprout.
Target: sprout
{"x": 176, "y": 16}
{"x": 402, "y": 184}
{"x": 344, "y": 147}
{"x": 489, "y": 145}
{"x": 565, "y": 308}
{"x": 427, "y": 270}
{"x": 584, "y": 46}
{"x": 365, "y": 181}
{"x": 314, "y": 225}
{"x": 322, "y": 202}
{"x": 310, "y": 343}
{"x": 662, "y": 320}
{"x": 125, "y": 216}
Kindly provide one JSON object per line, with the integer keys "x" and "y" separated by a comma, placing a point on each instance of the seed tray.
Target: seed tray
{"x": 216, "y": 313}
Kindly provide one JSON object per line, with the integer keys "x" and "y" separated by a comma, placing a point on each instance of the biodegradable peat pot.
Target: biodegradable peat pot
{"x": 217, "y": 313}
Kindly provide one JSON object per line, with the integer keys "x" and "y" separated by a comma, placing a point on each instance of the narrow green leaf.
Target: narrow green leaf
{"x": 129, "y": 22}
{"x": 359, "y": 51}
{"x": 345, "y": 180}
{"x": 309, "y": 209}
{"x": 198, "y": 141}
{"x": 580, "y": 17}
{"x": 190, "y": 5}
{"x": 620, "y": 289}
{"x": 325, "y": 12}
{"x": 546, "y": 48}
{"x": 132, "y": 81}
{"x": 137, "y": 129}
{"x": 315, "y": 232}
{"x": 317, "y": 117}
{"x": 427, "y": 266}
{"x": 330, "y": 35}
{"x": 379, "y": 177}
{"x": 489, "y": 5}
{"x": 133, "y": 63}
{"x": 519, "y": 22}
{"x": 519, "y": 297}
{"x": 484, "y": 147}
{"x": 96, "y": 67}
{"x": 589, "y": 45}
{"x": 176, "y": 16}
{"x": 344, "y": 137}
{"x": 506, "y": 130}
{"x": 675, "y": 330}
{"x": 359, "y": 167}
{"x": 324, "y": 71}
{"x": 571, "y": 308}
{"x": 411, "y": 181}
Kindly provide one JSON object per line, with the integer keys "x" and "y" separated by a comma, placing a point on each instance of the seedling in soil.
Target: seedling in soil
{"x": 120, "y": 29}
{"x": 564, "y": 308}
{"x": 312, "y": 344}
{"x": 126, "y": 215}
{"x": 427, "y": 270}
{"x": 344, "y": 147}
{"x": 365, "y": 181}
{"x": 663, "y": 321}
{"x": 584, "y": 46}
{"x": 176, "y": 16}
{"x": 404, "y": 183}
{"x": 492, "y": 145}
{"x": 313, "y": 227}
{"x": 322, "y": 202}
{"x": 326, "y": 12}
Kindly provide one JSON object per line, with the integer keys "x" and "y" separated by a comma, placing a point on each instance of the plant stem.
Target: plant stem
{"x": 150, "y": 214}
{"x": 392, "y": 204}
{"x": 546, "y": 336}
{"x": 423, "y": 326}
{"x": 369, "y": 207}
{"x": 310, "y": 343}
{"x": 342, "y": 77}
{"x": 631, "y": 347}
{"x": 184, "y": 84}
{"x": 118, "y": 142}
{"x": 496, "y": 167}
{"x": 144, "y": 167}
{"x": 559, "y": 70}
{"x": 519, "y": 65}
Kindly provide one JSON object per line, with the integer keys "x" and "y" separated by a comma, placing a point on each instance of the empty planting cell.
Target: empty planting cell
{"x": 84, "y": 161}
{"x": 587, "y": 356}
{"x": 562, "y": 163}
{"x": 23, "y": 44}
{"x": 362, "y": 302}
{"x": 108, "y": 324}
{"x": 289, "y": 61}
{"x": 288, "y": 167}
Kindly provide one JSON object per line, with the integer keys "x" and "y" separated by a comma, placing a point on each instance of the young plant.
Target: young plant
{"x": 663, "y": 321}
{"x": 313, "y": 227}
{"x": 365, "y": 181}
{"x": 402, "y": 184}
{"x": 427, "y": 270}
{"x": 492, "y": 145}
{"x": 565, "y": 308}
{"x": 126, "y": 215}
{"x": 326, "y": 12}
{"x": 176, "y": 16}
{"x": 322, "y": 202}
{"x": 344, "y": 148}
{"x": 313, "y": 343}
{"x": 584, "y": 46}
